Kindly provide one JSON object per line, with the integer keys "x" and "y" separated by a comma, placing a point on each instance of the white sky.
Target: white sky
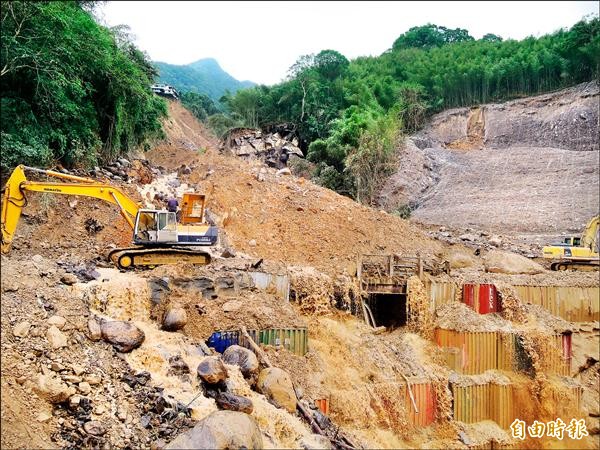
{"x": 259, "y": 41}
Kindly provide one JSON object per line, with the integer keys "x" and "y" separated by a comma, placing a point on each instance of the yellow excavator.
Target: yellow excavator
{"x": 577, "y": 252}
{"x": 157, "y": 235}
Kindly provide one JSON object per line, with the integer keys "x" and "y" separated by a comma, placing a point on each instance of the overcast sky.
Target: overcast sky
{"x": 259, "y": 41}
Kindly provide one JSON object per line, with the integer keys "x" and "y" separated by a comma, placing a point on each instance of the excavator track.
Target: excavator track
{"x": 140, "y": 257}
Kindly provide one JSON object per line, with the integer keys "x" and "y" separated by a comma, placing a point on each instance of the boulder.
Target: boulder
{"x": 21, "y": 329}
{"x": 174, "y": 319}
{"x": 94, "y": 428}
{"x": 94, "y": 330}
{"x": 53, "y": 389}
{"x": 124, "y": 336}
{"x": 228, "y": 253}
{"x": 212, "y": 370}
{"x": 314, "y": 442}
{"x": 459, "y": 259}
{"x": 232, "y": 402}
{"x": 496, "y": 241}
{"x": 221, "y": 430}
{"x": 58, "y": 321}
{"x": 56, "y": 338}
{"x": 510, "y": 263}
{"x": 284, "y": 171}
{"x": 242, "y": 357}
{"x": 69, "y": 279}
{"x": 277, "y": 386}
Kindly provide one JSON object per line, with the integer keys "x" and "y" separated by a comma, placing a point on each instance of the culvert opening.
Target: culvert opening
{"x": 389, "y": 310}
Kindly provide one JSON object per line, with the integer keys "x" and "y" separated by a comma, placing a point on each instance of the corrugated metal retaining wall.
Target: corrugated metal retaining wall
{"x": 441, "y": 293}
{"x": 293, "y": 339}
{"x": 496, "y": 402}
{"x": 279, "y": 283}
{"x": 425, "y": 399}
{"x": 423, "y": 393}
{"x": 575, "y": 304}
{"x": 476, "y": 352}
{"x": 483, "y": 402}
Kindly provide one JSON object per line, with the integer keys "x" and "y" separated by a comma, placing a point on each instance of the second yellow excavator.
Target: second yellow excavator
{"x": 581, "y": 253}
{"x": 157, "y": 235}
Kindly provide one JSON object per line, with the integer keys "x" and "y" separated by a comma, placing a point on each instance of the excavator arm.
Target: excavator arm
{"x": 591, "y": 236}
{"x": 13, "y": 199}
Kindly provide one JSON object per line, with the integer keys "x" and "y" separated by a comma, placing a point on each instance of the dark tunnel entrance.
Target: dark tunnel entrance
{"x": 389, "y": 310}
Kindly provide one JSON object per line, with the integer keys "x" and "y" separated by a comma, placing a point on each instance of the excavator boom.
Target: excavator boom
{"x": 158, "y": 237}
{"x": 14, "y": 198}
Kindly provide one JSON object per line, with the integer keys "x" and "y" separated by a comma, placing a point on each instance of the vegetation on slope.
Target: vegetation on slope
{"x": 346, "y": 112}
{"x": 73, "y": 92}
{"x": 204, "y": 76}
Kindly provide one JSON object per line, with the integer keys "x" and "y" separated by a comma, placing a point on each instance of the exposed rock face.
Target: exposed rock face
{"x": 277, "y": 386}
{"x": 221, "y": 430}
{"x": 212, "y": 370}
{"x": 232, "y": 402}
{"x": 510, "y": 263}
{"x": 242, "y": 357}
{"x": 124, "y": 336}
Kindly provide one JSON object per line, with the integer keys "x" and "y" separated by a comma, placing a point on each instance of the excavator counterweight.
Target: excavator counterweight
{"x": 158, "y": 237}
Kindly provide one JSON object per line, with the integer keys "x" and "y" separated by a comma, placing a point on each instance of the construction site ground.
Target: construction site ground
{"x": 298, "y": 229}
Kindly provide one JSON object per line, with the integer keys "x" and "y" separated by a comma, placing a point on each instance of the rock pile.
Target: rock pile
{"x": 272, "y": 148}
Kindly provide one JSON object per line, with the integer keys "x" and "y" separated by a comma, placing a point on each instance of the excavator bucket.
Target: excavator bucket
{"x": 192, "y": 208}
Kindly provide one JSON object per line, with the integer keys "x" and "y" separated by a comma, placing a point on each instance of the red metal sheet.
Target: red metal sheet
{"x": 488, "y": 299}
{"x": 469, "y": 295}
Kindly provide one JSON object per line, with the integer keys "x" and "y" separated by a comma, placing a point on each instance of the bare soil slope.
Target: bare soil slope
{"x": 285, "y": 217}
{"x": 529, "y": 165}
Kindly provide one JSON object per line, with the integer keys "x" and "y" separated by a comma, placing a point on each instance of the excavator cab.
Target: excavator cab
{"x": 155, "y": 227}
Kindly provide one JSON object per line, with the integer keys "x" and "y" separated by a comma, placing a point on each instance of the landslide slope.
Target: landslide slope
{"x": 528, "y": 165}
{"x": 283, "y": 217}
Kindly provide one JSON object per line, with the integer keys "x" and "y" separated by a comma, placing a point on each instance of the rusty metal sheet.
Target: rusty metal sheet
{"x": 575, "y": 304}
{"x": 441, "y": 293}
{"x": 478, "y": 350}
{"x": 323, "y": 405}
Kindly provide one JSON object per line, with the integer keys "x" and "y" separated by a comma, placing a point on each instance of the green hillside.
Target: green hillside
{"x": 73, "y": 92}
{"x": 349, "y": 114}
{"x": 204, "y": 76}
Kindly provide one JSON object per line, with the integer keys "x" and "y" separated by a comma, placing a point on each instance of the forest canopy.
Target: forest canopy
{"x": 73, "y": 92}
{"x": 340, "y": 106}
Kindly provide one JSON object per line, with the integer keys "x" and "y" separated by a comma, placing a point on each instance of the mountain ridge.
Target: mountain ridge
{"x": 204, "y": 76}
